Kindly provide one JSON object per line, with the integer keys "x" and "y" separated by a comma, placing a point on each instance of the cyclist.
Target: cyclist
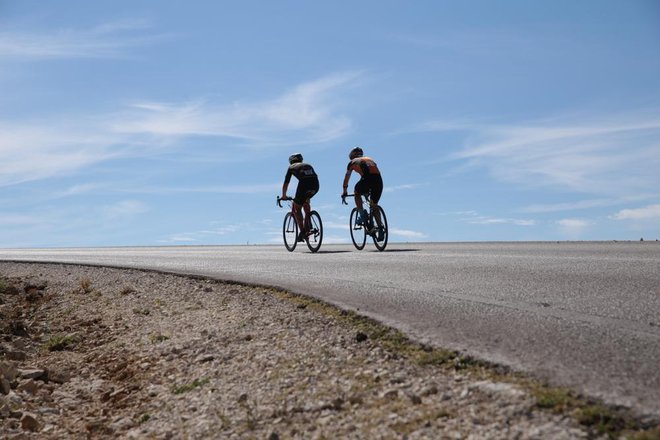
{"x": 308, "y": 186}
{"x": 370, "y": 182}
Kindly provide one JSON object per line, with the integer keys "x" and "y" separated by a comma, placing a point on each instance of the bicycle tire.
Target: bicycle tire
{"x": 380, "y": 245}
{"x": 315, "y": 235}
{"x": 290, "y": 232}
{"x": 358, "y": 233}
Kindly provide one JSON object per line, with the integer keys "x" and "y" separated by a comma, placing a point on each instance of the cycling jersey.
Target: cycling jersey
{"x": 308, "y": 181}
{"x": 370, "y": 181}
{"x": 301, "y": 170}
{"x": 364, "y": 166}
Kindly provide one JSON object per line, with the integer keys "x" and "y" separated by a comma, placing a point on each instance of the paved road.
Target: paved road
{"x": 585, "y": 315}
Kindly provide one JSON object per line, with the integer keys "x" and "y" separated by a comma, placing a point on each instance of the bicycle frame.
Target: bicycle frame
{"x": 378, "y": 231}
{"x": 312, "y": 227}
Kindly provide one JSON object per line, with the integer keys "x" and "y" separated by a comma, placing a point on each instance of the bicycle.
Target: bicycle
{"x": 313, "y": 225}
{"x": 359, "y": 232}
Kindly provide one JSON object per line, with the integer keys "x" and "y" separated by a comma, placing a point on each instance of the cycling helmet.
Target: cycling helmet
{"x": 294, "y": 158}
{"x": 355, "y": 152}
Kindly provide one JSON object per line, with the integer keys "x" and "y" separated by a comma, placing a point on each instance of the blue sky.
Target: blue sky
{"x": 170, "y": 123}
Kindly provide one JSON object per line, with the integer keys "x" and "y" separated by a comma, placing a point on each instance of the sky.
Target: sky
{"x": 140, "y": 123}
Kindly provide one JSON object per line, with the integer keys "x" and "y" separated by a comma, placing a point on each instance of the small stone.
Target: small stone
{"x": 58, "y": 376}
{"x": 361, "y": 337}
{"x": 15, "y": 355}
{"x": 29, "y": 422}
{"x": 5, "y": 386}
{"x": 34, "y": 373}
{"x": 428, "y": 391}
{"x": 122, "y": 424}
{"x": 391, "y": 394}
{"x": 29, "y": 386}
{"x": 204, "y": 358}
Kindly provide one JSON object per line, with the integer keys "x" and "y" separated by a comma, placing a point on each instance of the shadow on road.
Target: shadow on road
{"x": 333, "y": 252}
{"x": 397, "y": 250}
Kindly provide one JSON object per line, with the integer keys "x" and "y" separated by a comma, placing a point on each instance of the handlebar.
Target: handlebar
{"x": 282, "y": 199}
{"x": 343, "y": 198}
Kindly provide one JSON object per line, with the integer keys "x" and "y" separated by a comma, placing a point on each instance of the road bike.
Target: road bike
{"x": 313, "y": 228}
{"x": 376, "y": 226}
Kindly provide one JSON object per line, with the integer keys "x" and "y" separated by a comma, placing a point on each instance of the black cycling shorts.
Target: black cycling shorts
{"x": 371, "y": 184}
{"x": 307, "y": 188}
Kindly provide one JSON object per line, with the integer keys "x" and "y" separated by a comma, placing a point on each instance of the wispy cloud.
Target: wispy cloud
{"x": 107, "y": 40}
{"x": 406, "y": 233}
{"x": 125, "y": 208}
{"x": 480, "y": 220}
{"x": 573, "y": 227}
{"x": 645, "y": 213}
{"x": 403, "y": 187}
{"x": 582, "y": 204}
{"x": 612, "y": 155}
{"x": 305, "y": 114}
{"x": 38, "y": 149}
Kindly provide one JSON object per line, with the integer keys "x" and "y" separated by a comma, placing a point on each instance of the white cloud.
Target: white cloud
{"x": 306, "y": 114}
{"x": 406, "y": 186}
{"x": 614, "y": 155}
{"x": 573, "y": 228}
{"x": 648, "y": 212}
{"x": 481, "y": 220}
{"x": 125, "y": 208}
{"x": 406, "y": 233}
{"x": 104, "y": 41}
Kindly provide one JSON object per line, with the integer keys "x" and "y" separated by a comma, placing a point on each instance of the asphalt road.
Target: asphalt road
{"x": 584, "y": 315}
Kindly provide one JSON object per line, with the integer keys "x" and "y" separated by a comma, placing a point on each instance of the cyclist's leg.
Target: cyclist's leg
{"x": 312, "y": 189}
{"x": 376, "y": 190}
{"x": 361, "y": 187}
{"x": 297, "y": 214}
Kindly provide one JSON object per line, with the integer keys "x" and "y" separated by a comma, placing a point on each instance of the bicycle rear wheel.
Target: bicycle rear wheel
{"x": 315, "y": 233}
{"x": 290, "y": 232}
{"x": 381, "y": 244}
{"x": 358, "y": 233}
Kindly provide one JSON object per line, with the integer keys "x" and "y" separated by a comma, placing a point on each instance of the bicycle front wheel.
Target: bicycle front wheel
{"x": 315, "y": 233}
{"x": 358, "y": 233}
{"x": 381, "y": 233}
{"x": 290, "y": 232}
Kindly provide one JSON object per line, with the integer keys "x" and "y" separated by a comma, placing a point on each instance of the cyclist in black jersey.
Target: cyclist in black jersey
{"x": 308, "y": 186}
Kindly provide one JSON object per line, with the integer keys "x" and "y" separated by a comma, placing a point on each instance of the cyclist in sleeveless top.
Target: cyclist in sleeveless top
{"x": 370, "y": 182}
{"x": 308, "y": 186}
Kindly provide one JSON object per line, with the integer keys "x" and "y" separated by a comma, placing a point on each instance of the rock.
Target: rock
{"x": 15, "y": 355}
{"x": 58, "y": 376}
{"x": 8, "y": 370}
{"x": 391, "y": 394}
{"x": 28, "y": 386}
{"x": 122, "y": 424}
{"x": 34, "y": 373}
{"x": 204, "y": 358}
{"x": 5, "y": 386}
{"x": 29, "y": 422}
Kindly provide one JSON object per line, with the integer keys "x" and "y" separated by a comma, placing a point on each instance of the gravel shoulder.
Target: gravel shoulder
{"x": 92, "y": 352}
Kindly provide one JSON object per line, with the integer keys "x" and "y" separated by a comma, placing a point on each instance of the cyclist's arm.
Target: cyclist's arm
{"x": 346, "y": 179}
{"x": 285, "y": 185}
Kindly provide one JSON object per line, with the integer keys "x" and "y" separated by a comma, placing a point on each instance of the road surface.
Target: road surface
{"x": 584, "y": 315}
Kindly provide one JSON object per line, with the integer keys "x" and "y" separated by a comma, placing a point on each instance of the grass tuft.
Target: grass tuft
{"x": 86, "y": 285}
{"x": 61, "y": 342}
{"x": 190, "y": 386}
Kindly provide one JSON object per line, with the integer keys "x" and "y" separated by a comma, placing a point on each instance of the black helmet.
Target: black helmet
{"x": 355, "y": 152}
{"x": 294, "y": 158}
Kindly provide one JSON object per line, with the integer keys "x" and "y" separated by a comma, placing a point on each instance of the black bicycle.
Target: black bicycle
{"x": 376, "y": 225}
{"x": 313, "y": 234}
